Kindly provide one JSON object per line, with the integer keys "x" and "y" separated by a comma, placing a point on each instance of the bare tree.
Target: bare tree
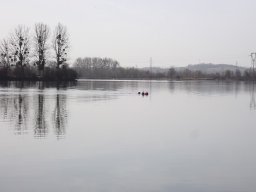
{"x": 172, "y": 73}
{"x": 20, "y": 45}
{"x": 41, "y": 38}
{"x": 5, "y": 56}
{"x": 60, "y": 44}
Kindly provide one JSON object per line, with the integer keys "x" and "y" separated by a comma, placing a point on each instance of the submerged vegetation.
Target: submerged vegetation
{"x": 32, "y": 57}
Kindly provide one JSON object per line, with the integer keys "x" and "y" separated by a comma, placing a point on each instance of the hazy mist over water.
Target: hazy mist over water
{"x": 102, "y": 136}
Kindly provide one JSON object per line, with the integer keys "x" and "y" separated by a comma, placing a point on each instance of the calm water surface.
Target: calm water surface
{"x": 100, "y": 136}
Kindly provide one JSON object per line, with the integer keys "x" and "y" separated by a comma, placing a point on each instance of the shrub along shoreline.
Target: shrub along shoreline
{"x": 32, "y": 74}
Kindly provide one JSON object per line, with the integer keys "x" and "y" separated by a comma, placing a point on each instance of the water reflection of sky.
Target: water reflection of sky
{"x": 103, "y": 136}
{"x": 42, "y": 107}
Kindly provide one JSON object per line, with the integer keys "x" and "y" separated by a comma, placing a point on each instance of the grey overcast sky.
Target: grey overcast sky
{"x": 172, "y": 32}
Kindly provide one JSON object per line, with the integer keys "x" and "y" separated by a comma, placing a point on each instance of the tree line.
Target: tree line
{"x": 107, "y": 68}
{"x": 31, "y": 56}
{"x": 186, "y": 74}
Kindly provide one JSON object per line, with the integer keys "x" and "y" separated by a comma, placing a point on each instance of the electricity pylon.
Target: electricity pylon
{"x": 253, "y": 60}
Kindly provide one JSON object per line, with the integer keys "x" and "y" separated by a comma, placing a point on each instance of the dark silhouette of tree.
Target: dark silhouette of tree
{"x": 247, "y": 75}
{"x": 238, "y": 74}
{"x": 5, "y": 56}
{"x": 20, "y": 46}
{"x": 41, "y": 38}
{"x": 16, "y": 52}
{"x": 172, "y": 73}
{"x": 187, "y": 74}
{"x": 228, "y": 74}
{"x": 60, "y": 44}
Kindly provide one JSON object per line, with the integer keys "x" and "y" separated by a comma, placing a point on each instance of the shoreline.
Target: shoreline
{"x": 120, "y": 79}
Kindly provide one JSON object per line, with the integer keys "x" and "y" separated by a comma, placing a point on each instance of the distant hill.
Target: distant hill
{"x": 214, "y": 68}
{"x": 208, "y": 68}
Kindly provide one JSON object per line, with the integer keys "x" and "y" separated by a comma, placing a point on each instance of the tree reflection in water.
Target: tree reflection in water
{"x": 253, "y": 102}
{"x": 60, "y": 116}
{"x": 14, "y": 110}
{"x": 41, "y": 128}
{"x": 46, "y": 111}
{"x": 43, "y": 114}
{"x": 21, "y": 107}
